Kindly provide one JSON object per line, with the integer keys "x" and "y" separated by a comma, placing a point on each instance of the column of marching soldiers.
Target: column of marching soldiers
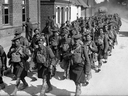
{"x": 78, "y": 47}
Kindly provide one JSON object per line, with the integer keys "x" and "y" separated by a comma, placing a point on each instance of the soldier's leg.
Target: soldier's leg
{"x": 67, "y": 70}
{"x": 43, "y": 87}
{"x": 2, "y": 85}
{"x": 78, "y": 90}
{"x": 49, "y": 85}
{"x": 25, "y": 84}
{"x": 14, "y": 71}
{"x": 100, "y": 60}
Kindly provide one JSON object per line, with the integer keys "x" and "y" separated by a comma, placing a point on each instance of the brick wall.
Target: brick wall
{"x": 17, "y": 17}
{"x": 33, "y": 11}
{"x": 46, "y": 10}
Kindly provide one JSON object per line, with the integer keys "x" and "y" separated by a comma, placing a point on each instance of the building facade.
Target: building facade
{"x": 65, "y": 10}
{"x": 13, "y": 13}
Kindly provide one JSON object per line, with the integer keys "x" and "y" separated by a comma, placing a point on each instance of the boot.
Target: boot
{"x": 25, "y": 84}
{"x": 99, "y": 64}
{"x": 43, "y": 88}
{"x": 89, "y": 76}
{"x": 49, "y": 88}
{"x": 78, "y": 90}
{"x": 96, "y": 69}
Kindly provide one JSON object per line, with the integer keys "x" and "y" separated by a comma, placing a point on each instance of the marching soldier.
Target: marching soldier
{"x": 54, "y": 42}
{"x": 102, "y": 45}
{"x": 18, "y": 56}
{"x": 77, "y": 68}
{"x": 65, "y": 51}
{"x": 91, "y": 49}
{"x": 33, "y": 45}
{"x": 45, "y": 60}
{"x": 23, "y": 42}
{"x": 3, "y": 66}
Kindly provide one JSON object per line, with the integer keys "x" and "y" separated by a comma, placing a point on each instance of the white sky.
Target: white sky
{"x": 99, "y": 1}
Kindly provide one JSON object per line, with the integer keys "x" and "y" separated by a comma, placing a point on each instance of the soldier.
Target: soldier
{"x": 45, "y": 60}
{"x": 47, "y": 31}
{"x": 91, "y": 49}
{"x": 18, "y": 56}
{"x": 32, "y": 47}
{"x": 3, "y": 66}
{"x": 64, "y": 51}
{"x": 23, "y": 41}
{"x": 111, "y": 39}
{"x": 102, "y": 45}
{"x": 77, "y": 68}
{"x": 36, "y": 35}
{"x": 28, "y": 29}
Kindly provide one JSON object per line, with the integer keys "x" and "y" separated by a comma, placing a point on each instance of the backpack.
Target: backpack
{"x": 77, "y": 55}
{"x": 15, "y": 57}
{"x": 41, "y": 56}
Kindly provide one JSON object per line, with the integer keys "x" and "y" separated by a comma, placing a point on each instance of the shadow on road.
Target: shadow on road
{"x": 123, "y": 34}
{"x": 33, "y": 90}
{"x": 9, "y": 88}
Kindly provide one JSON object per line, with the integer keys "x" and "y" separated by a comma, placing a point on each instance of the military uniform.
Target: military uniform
{"x": 102, "y": 45}
{"x": 92, "y": 50}
{"x": 45, "y": 60}
{"x": 65, "y": 44}
{"x": 23, "y": 41}
{"x": 3, "y": 66}
{"x": 77, "y": 68}
{"x": 28, "y": 29}
{"x": 54, "y": 43}
{"x": 18, "y": 56}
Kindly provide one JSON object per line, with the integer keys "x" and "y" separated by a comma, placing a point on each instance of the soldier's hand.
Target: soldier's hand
{"x": 90, "y": 46}
{"x": 4, "y": 68}
{"x": 51, "y": 67}
{"x": 72, "y": 51}
{"x": 12, "y": 49}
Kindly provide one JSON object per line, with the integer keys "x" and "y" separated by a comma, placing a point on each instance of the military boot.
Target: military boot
{"x": 78, "y": 90}
{"x": 49, "y": 86}
{"x": 43, "y": 88}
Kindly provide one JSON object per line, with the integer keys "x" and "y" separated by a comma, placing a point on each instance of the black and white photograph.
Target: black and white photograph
{"x": 63, "y": 47}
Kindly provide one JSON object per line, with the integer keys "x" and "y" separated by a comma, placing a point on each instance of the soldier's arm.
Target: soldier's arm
{"x": 51, "y": 55}
{"x": 11, "y": 50}
{"x": 86, "y": 55}
{"x": 106, "y": 44}
{"x": 25, "y": 53}
{"x": 4, "y": 59}
{"x": 93, "y": 47}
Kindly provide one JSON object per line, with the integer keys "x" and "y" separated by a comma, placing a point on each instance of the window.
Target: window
{"x": 62, "y": 15}
{"x": 7, "y": 12}
{"x": 25, "y": 10}
{"x": 58, "y": 10}
{"x": 66, "y": 14}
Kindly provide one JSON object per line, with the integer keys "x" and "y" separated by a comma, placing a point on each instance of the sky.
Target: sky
{"x": 99, "y": 1}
